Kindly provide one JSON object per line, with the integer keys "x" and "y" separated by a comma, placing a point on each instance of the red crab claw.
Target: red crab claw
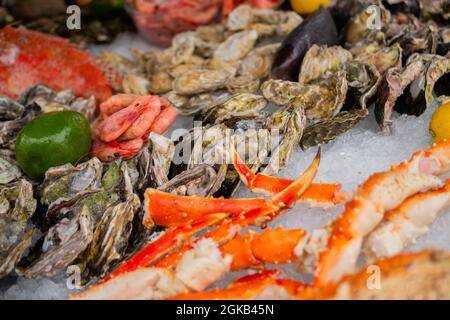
{"x": 166, "y": 209}
{"x": 259, "y": 216}
{"x": 30, "y": 57}
{"x": 276, "y": 246}
{"x": 171, "y": 240}
{"x": 322, "y": 195}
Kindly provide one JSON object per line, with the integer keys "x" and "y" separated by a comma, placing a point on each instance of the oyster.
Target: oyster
{"x": 318, "y": 28}
{"x": 201, "y": 181}
{"x": 320, "y": 60}
{"x": 258, "y": 62}
{"x": 229, "y": 66}
{"x": 409, "y": 90}
{"x": 62, "y": 244}
{"x": 63, "y": 185}
{"x": 17, "y": 206}
{"x": 161, "y": 82}
{"x": 327, "y": 130}
{"x": 110, "y": 238}
{"x": 240, "y": 18}
{"x": 178, "y": 100}
{"x": 243, "y": 84}
{"x": 204, "y": 101}
{"x": 200, "y": 80}
{"x": 323, "y": 99}
{"x": 366, "y": 27}
{"x": 239, "y": 106}
{"x": 9, "y": 109}
{"x": 280, "y": 92}
{"x": 9, "y": 171}
{"x": 363, "y": 83}
{"x": 292, "y": 134}
{"x": 236, "y": 46}
{"x": 162, "y": 152}
{"x": 382, "y": 58}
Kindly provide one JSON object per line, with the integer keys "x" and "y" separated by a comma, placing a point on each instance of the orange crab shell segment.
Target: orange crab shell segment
{"x": 247, "y": 287}
{"x": 277, "y": 245}
{"x": 171, "y": 240}
{"x": 240, "y": 248}
{"x": 166, "y": 209}
{"x": 30, "y": 57}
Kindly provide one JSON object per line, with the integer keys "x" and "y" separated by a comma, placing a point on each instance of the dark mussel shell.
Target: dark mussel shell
{"x": 319, "y": 28}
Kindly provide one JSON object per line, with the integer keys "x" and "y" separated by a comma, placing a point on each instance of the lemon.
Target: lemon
{"x": 440, "y": 123}
{"x": 308, "y": 6}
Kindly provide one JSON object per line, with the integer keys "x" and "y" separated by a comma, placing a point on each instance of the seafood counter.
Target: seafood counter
{"x": 270, "y": 156}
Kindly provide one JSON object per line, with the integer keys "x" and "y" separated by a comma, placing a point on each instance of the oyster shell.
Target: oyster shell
{"x": 236, "y": 46}
{"x": 243, "y": 84}
{"x": 280, "y": 92}
{"x": 110, "y": 238}
{"x": 409, "y": 90}
{"x": 239, "y": 106}
{"x": 201, "y": 181}
{"x": 382, "y": 58}
{"x": 17, "y": 206}
{"x": 363, "y": 83}
{"x": 200, "y": 80}
{"x": 258, "y": 62}
{"x": 323, "y": 99}
{"x": 240, "y": 18}
{"x": 9, "y": 109}
{"x": 320, "y": 60}
{"x": 178, "y": 100}
{"x": 161, "y": 82}
{"x": 366, "y": 27}
{"x": 63, "y": 185}
{"x": 204, "y": 101}
{"x": 292, "y": 134}
{"x": 216, "y": 64}
{"x": 327, "y": 130}
{"x": 162, "y": 152}
{"x": 62, "y": 244}
{"x": 9, "y": 171}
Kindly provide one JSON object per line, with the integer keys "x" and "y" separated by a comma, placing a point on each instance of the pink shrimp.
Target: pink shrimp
{"x": 108, "y": 151}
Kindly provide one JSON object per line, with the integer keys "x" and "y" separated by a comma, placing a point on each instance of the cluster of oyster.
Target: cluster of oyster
{"x": 204, "y": 66}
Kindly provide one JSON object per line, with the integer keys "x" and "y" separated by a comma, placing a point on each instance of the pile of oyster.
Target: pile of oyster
{"x": 205, "y": 66}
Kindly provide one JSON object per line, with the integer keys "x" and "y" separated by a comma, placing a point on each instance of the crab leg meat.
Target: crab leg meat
{"x": 403, "y": 225}
{"x": 323, "y": 195}
{"x": 382, "y": 192}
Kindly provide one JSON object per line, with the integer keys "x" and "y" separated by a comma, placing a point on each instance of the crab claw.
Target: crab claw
{"x": 166, "y": 209}
{"x": 321, "y": 195}
{"x": 171, "y": 240}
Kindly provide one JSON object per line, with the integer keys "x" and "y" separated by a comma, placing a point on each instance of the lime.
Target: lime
{"x": 52, "y": 139}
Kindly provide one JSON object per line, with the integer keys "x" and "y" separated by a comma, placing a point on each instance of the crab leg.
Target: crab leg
{"x": 323, "y": 195}
{"x": 227, "y": 230}
{"x": 166, "y": 209}
{"x": 171, "y": 240}
{"x": 382, "y": 192}
{"x": 202, "y": 262}
{"x": 403, "y": 225}
{"x": 263, "y": 285}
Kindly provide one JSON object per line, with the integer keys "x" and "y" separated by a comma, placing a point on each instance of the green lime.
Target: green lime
{"x": 52, "y": 139}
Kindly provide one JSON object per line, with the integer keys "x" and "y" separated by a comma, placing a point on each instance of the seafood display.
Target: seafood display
{"x": 97, "y": 180}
